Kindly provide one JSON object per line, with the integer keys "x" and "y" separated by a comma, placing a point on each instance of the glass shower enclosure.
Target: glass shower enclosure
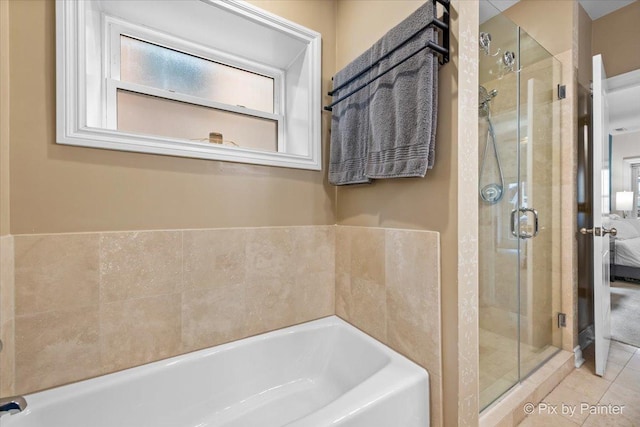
{"x": 519, "y": 206}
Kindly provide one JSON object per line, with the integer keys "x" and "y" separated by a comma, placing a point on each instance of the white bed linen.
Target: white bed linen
{"x": 628, "y": 252}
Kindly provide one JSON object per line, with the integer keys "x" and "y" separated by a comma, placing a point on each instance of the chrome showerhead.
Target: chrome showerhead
{"x": 484, "y": 98}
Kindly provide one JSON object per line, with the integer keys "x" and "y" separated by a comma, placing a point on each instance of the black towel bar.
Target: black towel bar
{"x": 443, "y": 51}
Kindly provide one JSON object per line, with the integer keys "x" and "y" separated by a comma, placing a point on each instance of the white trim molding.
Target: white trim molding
{"x": 291, "y": 52}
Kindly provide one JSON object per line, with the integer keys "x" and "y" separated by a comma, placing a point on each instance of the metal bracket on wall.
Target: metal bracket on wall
{"x": 562, "y": 91}
{"x": 562, "y": 320}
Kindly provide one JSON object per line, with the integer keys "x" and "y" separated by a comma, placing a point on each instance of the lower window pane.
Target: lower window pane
{"x": 150, "y": 115}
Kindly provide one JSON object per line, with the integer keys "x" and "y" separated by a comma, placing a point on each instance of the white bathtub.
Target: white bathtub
{"x": 321, "y": 373}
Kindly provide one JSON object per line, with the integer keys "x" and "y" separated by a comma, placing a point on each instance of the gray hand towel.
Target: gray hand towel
{"x": 350, "y": 132}
{"x": 403, "y": 102}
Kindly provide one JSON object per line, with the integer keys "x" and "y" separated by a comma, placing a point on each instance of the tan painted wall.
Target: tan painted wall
{"x": 547, "y": 21}
{"x": 4, "y": 118}
{"x": 616, "y": 36}
{"x": 585, "y": 70}
{"x": 57, "y": 188}
{"x": 6, "y": 246}
{"x": 414, "y": 203}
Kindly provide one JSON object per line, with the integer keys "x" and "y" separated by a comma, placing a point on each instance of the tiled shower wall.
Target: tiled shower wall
{"x": 110, "y": 301}
{"x": 388, "y": 285}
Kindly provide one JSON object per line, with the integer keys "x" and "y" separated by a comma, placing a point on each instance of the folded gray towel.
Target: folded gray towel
{"x": 403, "y": 102}
{"x": 350, "y": 131}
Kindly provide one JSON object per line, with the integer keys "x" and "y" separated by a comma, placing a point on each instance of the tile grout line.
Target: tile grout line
{"x": 611, "y": 382}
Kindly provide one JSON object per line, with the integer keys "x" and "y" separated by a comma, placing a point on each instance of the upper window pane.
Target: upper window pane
{"x": 156, "y": 66}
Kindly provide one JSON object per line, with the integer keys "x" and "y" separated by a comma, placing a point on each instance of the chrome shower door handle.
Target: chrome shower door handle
{"x": 512, "y": 222}
{"x": 536, "y": 222}
{"x": 522, "y": 234}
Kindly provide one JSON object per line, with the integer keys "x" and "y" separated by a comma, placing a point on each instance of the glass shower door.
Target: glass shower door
{"x": 540, "y": 203}
{"x": 499, "y": 249}
{"x": 519, "y": 207}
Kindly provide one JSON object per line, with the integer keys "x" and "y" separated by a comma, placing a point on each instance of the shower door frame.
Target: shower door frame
{"x": 524, "y": 225}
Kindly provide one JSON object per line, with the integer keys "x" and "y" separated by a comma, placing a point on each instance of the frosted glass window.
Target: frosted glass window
{"x": 156, "y": 66}
{"x": 150, "y": 115}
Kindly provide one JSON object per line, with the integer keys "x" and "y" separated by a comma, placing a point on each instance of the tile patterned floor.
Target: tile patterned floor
{"x": 585, "y": 399}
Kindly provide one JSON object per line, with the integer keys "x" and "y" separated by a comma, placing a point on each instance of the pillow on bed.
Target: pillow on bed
{"x": 626, "y": 229}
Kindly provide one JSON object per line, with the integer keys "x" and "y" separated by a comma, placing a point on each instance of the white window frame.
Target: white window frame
{"x": 115, "y": 28}
{"x": 71, "y": 76}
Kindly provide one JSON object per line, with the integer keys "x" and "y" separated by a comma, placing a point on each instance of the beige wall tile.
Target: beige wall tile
{"x": 7, "y": 312}
{"x": 212, "y": 316}
{"x": 138, "y": 331}
{"x": 435, "y": 389}
{"x": 55, "y": 272}
{"x": 55, "y": 348}
{"x": 315, "y": 295}
{"x": 363, "y": 304}
{"x": 270, "y": 275}
{"x": 364, "y": 301}
{"x": 314, "y": 249}
{"x": 413, "y": 296}
{"x": 269, "y": 254}
{"x": 7, "y": 358}
{"x": 289, "y": 277}
{"x": 315, "y": 271}
{"x": 271, "y": 304}
{"x": 343, "y": 271}
{"x": 388, "y": 285}
{"x": 7, "y": 275}
{"x": 237, "y": 282}
{"x": 214, "y": 258}
{"x": 140, "y": 264}
{"x": 368, "y": 253}
{"x": 343, "y": 248}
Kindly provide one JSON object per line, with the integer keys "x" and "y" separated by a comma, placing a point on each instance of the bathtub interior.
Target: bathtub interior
{"x": 269, "y": 380}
